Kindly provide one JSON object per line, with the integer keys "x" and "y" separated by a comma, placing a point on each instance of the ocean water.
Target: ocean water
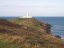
{"x": 57, "y": 24}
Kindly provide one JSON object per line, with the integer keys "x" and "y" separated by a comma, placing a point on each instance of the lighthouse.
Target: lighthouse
{"x": 26, "y": 16}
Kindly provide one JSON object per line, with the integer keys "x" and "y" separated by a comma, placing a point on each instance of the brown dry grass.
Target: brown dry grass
{"x": 32, "y": 34}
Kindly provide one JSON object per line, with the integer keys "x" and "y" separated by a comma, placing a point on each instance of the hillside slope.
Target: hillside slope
{"x": 27, "y": 33}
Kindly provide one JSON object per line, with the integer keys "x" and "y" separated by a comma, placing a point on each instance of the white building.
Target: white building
{"x": 27, "y": 16}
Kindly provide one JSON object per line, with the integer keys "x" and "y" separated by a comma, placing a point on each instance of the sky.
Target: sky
{"x": 34, "y": 7}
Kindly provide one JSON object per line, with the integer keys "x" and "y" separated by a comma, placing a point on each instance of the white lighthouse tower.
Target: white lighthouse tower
{"x": 26, "y": 16}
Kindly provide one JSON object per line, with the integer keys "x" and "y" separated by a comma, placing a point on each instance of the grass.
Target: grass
{"x": 6, "y": 44}
{"x": 31, "y": 34}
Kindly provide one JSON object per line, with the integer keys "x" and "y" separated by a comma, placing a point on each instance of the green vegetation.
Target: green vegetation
{"x": 27, "y": 33}
{"x": 7, "y": 44}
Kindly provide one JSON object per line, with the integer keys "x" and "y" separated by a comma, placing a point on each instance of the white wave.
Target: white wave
{"x": 58, "y": 26}
{"x": 61, "y": 28}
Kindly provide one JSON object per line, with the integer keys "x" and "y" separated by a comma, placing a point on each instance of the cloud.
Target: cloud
{"x": 35, "y": 7}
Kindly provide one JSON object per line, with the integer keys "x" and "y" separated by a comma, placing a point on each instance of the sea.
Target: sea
{"x": 56, "y": 22}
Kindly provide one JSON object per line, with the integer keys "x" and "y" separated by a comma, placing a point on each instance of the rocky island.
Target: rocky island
{"x": 27, "y": 33}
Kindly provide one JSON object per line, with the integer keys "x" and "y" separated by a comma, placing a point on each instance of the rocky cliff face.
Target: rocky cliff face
{"x": 28, "y": 33}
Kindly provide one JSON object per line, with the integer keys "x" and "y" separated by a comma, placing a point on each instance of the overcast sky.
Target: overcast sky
{"x": 34, "y": 7}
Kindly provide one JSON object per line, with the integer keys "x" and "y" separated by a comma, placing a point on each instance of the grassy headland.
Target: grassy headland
{"x": 27, "y": 33}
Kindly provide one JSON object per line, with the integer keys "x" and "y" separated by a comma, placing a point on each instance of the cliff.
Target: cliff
{"x": 27, "y": 33}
